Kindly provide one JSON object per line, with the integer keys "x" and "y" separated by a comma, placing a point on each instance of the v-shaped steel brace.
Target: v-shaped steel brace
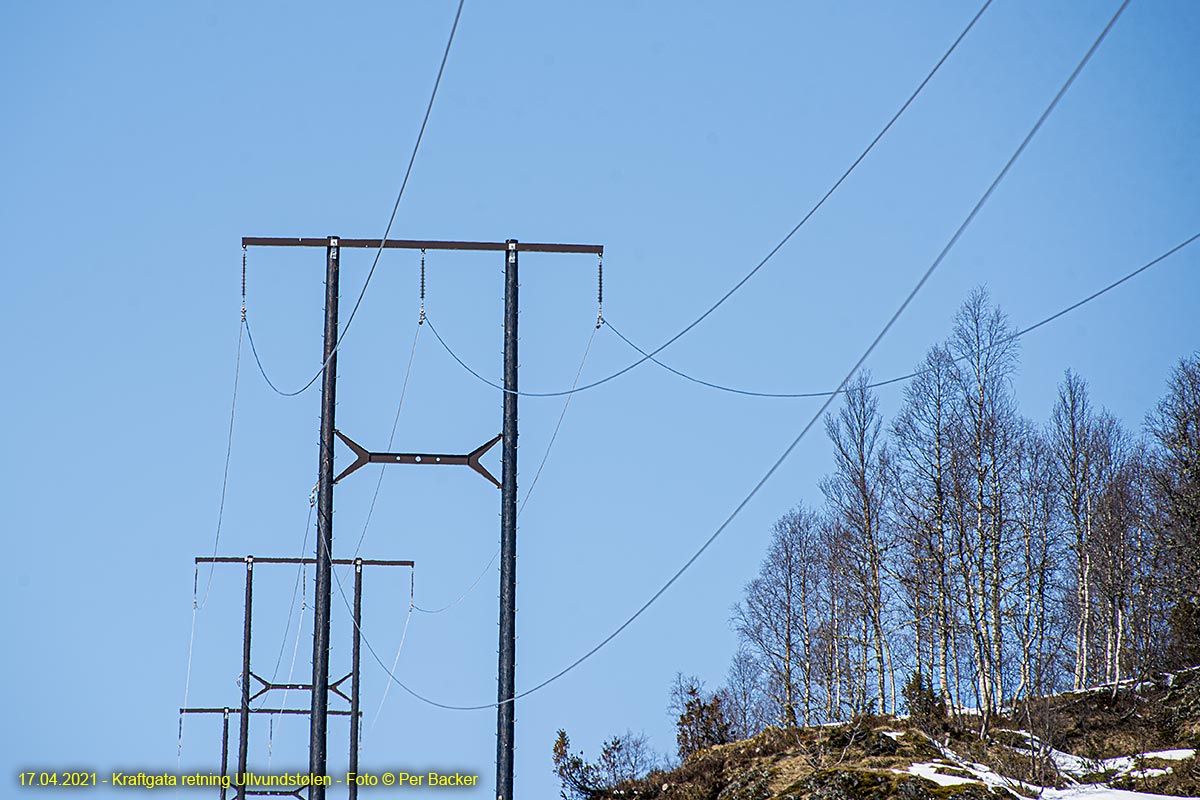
{"x": 471, "y": 459}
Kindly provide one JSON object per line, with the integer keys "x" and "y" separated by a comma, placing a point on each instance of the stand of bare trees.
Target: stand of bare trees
{"x": 998, "y": 558}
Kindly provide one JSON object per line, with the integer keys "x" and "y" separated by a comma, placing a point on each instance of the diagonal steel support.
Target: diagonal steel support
{"x": 362, "y": 457}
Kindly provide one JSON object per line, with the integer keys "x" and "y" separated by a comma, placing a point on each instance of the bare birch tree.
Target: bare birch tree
{"x": 982, "y": 343}
{"x": 856, "y": 494}
{"x": 775, "y": 622}
{"x": 922, "y": 436}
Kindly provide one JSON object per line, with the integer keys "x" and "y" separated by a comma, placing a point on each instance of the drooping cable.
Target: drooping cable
{"x": 529, "y": 491}
{"x": 187, "y": 681}
{"x": 392, "y": 436}
{"x": 383, "y": 241}
{"x": 237, "y": 372}
{"x": 295, "y": 591}
{"x": 558, "y": 425}
{"x": 196, "y": 606}
{"x": 412, "y": 596}
{"x": 808, "y": 426}
{"x": 412, "y": 587}
{"x": 466, "y": 592}
{"x": 910, "y": 375}
{"x": 300, "y": 584}
{"x": 771, "y": 254}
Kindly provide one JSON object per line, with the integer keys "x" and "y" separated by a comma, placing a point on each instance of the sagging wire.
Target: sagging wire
{"x": 909, "y": 376}
{"x": 770, "y": 255}
{"x": 925, "y": 276}
{"x": 533, "y": 483}
{"x": 399, "y": 407}
{"x": 396, "y": 661}
{"x": 300, "y": 584}
{"x": 237, "y": 371}
{"x": 337, "y": 345}
{"x": 187, "y": 681}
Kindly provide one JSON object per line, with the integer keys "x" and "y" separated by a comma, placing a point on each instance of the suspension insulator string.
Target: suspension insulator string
{"x": 421, "y": 318}
{"x": 599, "y": 290}
{"x": 243, "y": 284}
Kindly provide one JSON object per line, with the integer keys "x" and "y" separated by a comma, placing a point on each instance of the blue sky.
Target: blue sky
{"x": 143, "y": 140}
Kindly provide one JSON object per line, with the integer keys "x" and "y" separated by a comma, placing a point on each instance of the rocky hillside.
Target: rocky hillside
{"x": 1122, "y": 741}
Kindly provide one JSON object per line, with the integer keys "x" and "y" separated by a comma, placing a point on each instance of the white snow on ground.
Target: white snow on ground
{"x": 1172, "y": 755}
{"x": 1149, "y": 772}
{"x": 929, "y": 770}
{"x": 1068, "y": 764}
{"x": 1093, "y": 792}
{"x": 1075, "y": 766}
{"x": 1124, "y": 765}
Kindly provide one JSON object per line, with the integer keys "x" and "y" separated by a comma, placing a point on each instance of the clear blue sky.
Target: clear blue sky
{"x": 142, "y": 140}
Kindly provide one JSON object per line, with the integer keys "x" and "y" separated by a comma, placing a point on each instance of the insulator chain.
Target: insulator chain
{"x": 243, "y": 283}
{"x": 599, "y": 291}
{"x": 421, "y": 318}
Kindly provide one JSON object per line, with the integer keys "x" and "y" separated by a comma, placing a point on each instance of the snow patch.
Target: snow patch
{"x": 1172, "y": 755}
{"x": 1097, "y": 792}
{"x": 929, "y": 771}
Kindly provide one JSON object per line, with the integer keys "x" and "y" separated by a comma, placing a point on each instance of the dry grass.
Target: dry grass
{"x": 859, "y": 761}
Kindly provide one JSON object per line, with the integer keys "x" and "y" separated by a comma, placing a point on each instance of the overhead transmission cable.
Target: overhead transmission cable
{"x": 392, "y": 436}
{"x": 198, "y": 605}
{"x": 803, "y": 432}
{"x": 237, "y": 372}
{"x": 299, "y": 586}
{"x": 533, "y": 483}
{"x": 245, "y": 326}
{"x": 771, "y": 254}
{"x": 910, "y": 375}
{"x": 412, "y": 604}
{"x": 187, "y": 680}
{"x": 545, "y": 456}
{"x": 807, "y": 427}
{"x": 382, "y": 242}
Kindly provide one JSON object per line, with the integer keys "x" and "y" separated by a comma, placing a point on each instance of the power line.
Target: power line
{"x": 382, "y": 243}
{"x": 910, "y": 375}
{"x": 237, "y": 372}
{"x": 287, "y": 626}
{"x": 399, "y": 648}
{"x": 795, "y": 229}
{"x": 300, "y": 581}
{"x": 558, "y": 425}
{"x": 529, "y": 491}
{"x": 395, "y": 423}
{"x": 804, "y": 431}
{"x": 468, "y": 590}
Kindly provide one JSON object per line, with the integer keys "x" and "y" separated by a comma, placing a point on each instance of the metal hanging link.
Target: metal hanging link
{"x": 421, "y": 318}
{"x": 599, "y": 290}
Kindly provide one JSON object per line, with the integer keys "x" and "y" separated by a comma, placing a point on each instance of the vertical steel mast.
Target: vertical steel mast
{"x": 320, "y": 680}
{"x": 506, "y": 684}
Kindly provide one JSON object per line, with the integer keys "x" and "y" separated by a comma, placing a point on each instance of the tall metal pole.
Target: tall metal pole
{"x": 244, "y": 727}
{"x": 224, "y": 751}
{"x": 508, "y": 538}
{"x": 320, "y": 680}
{"x": 354, "y": 673}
